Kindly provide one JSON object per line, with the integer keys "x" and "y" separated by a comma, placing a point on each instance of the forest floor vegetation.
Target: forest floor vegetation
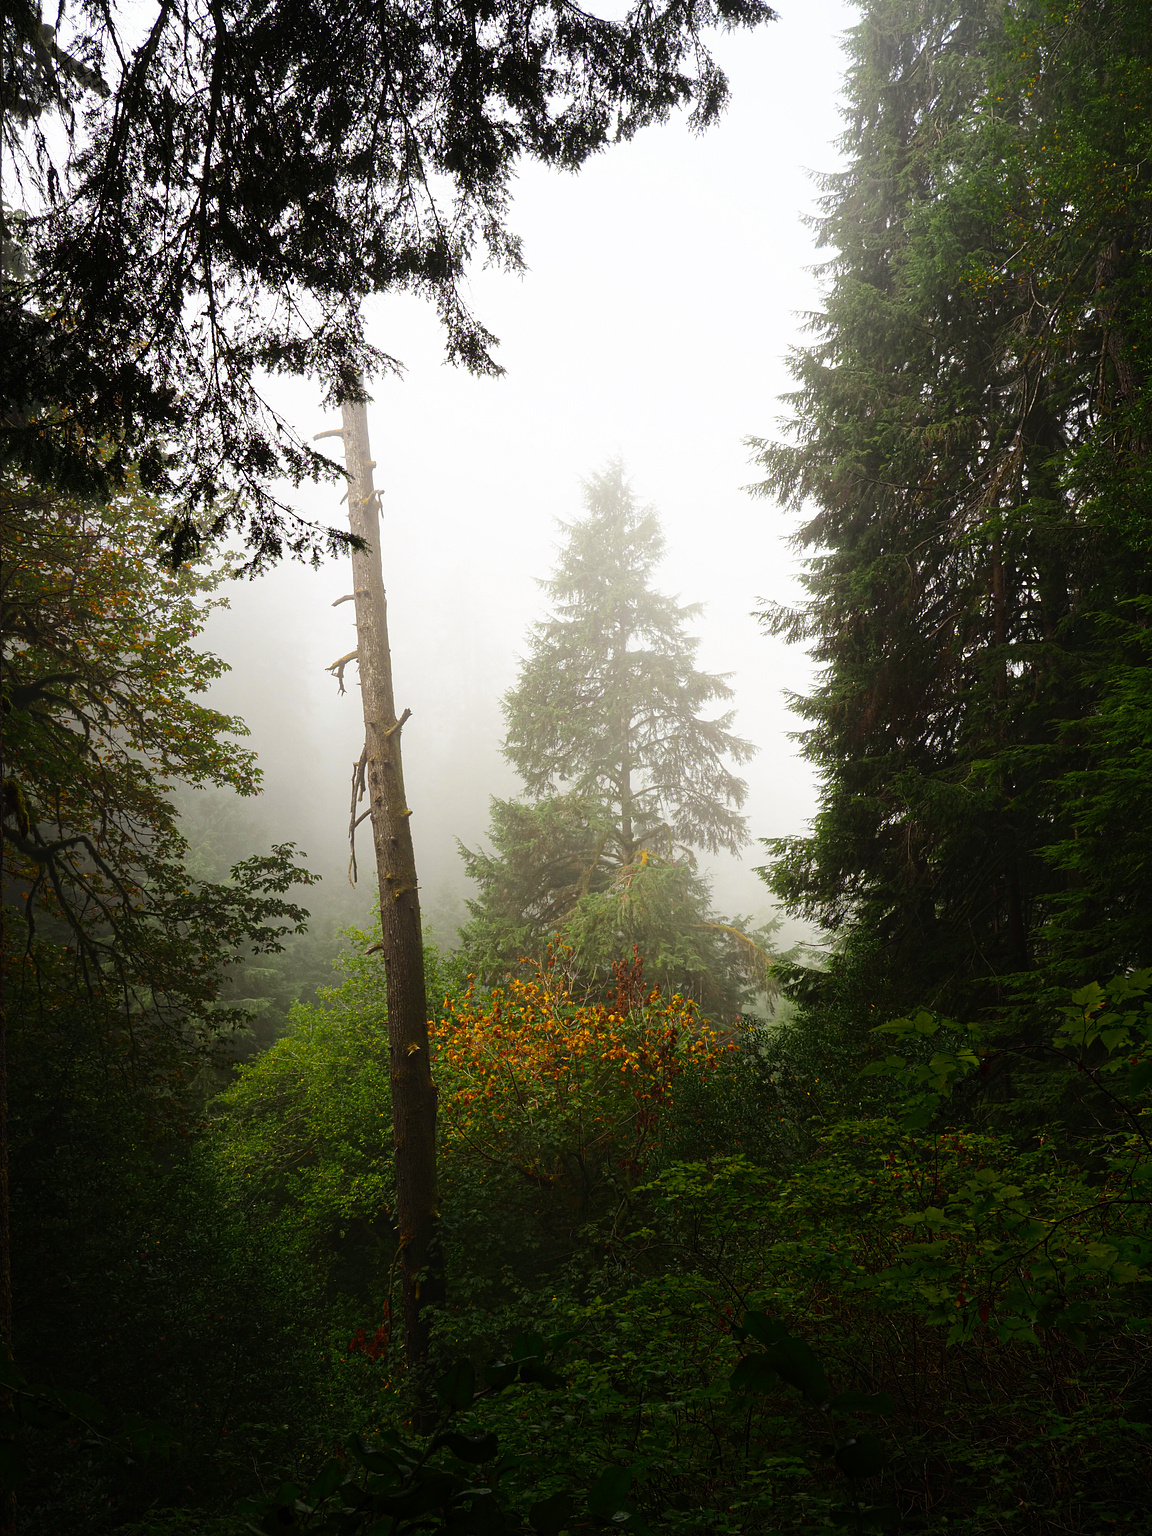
{"x": 692, "y": 1274}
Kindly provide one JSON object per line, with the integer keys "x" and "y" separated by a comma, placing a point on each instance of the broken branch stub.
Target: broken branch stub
{"x": 354, "y": 820}
{"x": 338, "y": 667}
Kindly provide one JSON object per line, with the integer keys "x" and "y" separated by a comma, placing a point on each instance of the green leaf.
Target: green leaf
{"x": 528, "y": 1346}
{"x": 476, "y": 1449}
{"x": 1140, "y": 1078}
{"x": 862, "y": 1402}
{"x": 457, "y": 1387}
{"x": 433, "y": 1490}
{"x": 326, "y": 1482}
{"x": 862, "y": 1456}
{"x": 609, "y": 1492}
{"x": 500, "y": 1374}
{"x": 795, "y": 1362}
{"x": 1090, "y": 997}
{"x": 763, "y": 1328}
{"x": 886, "y": 1068}
{"x": 755, "y": 1373}
{"x": 550, "y": 1516}
{"x": 371, "y": 1461}
{"x": 1111, "y": 1038}
{"x": 920, "y": 1114}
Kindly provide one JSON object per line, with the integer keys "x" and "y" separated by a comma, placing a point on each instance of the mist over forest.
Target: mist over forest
{"x": 604, "y": 358}
{"x": 576, "y": 617}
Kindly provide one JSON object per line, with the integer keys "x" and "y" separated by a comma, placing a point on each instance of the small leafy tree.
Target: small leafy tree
{"x": 565, "y": 1095}
{"x": 102, "y": 720}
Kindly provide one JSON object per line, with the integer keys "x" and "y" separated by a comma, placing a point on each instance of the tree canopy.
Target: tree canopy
{"x": 101, "y": 721}
{"x": 215, "y": 186}
{"x": 970, "y": 434}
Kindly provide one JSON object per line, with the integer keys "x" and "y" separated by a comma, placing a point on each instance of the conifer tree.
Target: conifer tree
{"x": 608, "y": 727}
{"x": 610, "y": 704}
{"x": 218, "y": 186}
{"x": 971, "y": 427}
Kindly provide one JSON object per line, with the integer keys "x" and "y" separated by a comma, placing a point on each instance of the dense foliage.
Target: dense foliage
{"x": 101, "y": 678}
{"x": 972, "y": 430}
{"x": 221, "y": 203}
{"x": 550, "y": 1110}
{"x": 547, "y": 877}
{"x": 118, "y": 1012}
{"x": 853, "y": 1318}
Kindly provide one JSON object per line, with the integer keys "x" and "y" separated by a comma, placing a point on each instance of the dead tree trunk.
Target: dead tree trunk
{"x": 380, "y": 771}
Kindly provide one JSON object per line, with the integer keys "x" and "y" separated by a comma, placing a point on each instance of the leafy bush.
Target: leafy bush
{"x": 550, "y": 1110}
{"x": 569, "y": 1097}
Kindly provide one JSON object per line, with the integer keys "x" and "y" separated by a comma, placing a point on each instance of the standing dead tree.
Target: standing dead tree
{"x": 380, "y": 773}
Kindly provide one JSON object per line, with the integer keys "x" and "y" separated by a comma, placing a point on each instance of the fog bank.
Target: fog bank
{"x": 665, "y": 285}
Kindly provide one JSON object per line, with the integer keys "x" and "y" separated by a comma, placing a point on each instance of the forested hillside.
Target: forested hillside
{"x": 719, "y": 1240}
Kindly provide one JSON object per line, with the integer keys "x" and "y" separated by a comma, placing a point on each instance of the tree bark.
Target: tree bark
{"x": 620, "y": 673}
{"x": 413, "y": 1091}
{"x": 7, "y": 1501}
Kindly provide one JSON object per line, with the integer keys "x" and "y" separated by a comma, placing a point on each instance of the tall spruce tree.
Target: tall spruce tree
{"x": 608, "y": 727}
{"x": 971, "y": 427}
{"x": 609, "y": 702}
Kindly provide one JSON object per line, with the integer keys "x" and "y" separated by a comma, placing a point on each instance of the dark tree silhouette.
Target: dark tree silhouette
{"x": 237, "y": 177}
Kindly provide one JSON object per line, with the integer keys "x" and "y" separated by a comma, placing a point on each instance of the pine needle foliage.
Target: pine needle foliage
{"x": 610, "y": 704}
{"x": 969, "y": 436}
{"x": 610, "y": 728}
{"x": 218, "y": 184}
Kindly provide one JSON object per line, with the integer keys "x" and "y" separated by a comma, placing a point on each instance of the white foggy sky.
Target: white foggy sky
{"x": 662, "y": 294}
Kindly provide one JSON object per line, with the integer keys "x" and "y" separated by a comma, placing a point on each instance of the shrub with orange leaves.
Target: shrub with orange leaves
{"x": 566, "y": 1096}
